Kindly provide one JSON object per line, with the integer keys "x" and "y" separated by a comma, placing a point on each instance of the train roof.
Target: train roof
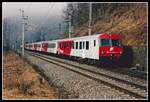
{"x": 75, "y": 38}
{"x": 82, "y": 37}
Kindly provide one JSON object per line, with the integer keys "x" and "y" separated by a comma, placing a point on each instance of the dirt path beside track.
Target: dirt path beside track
{"x": 20, "y": 81}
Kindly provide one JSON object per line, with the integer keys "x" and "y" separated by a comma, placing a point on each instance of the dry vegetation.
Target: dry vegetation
{"x": 20, "y": 81}
{"x": 128, "y": 20}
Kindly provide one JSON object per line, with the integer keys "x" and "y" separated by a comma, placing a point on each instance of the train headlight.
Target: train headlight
{"x": 111, "y": 49}
{"x": 103, "y": 52}
{"x": 120, "y": 52}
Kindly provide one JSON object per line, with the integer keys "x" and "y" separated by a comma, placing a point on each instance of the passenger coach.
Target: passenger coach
{"x": 91, "y": 47}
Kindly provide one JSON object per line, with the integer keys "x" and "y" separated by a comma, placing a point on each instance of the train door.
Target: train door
{"x": 91, "y": 47}
{"x": 83, "y": 49}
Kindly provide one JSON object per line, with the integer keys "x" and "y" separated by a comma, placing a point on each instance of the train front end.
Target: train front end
{"x": 110, "y": 46}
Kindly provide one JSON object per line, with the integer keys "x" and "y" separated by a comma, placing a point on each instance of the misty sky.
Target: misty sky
{"x": 34, "y": 10}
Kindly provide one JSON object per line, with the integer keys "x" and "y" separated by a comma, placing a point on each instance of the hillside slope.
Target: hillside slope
{"x": 130, "y": 22}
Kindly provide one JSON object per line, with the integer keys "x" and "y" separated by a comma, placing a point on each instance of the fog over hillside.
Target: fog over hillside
{"x": 46, "y": 21}
{"x": 43, "y": 21}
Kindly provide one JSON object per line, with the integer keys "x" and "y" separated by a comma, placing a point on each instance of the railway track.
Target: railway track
{"x": 109, "y": 73}
{"x": 134, "y": 89}
{"x": 130, "y": 72}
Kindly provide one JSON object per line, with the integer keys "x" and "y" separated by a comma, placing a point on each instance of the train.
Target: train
{"x": 92, "y": 48}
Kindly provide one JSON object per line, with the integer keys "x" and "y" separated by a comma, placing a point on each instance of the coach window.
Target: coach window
{"x": 38, "y": 45}
{"x": 80, "y": 45}
{"x": 51, "y": 45}
{"x": 87, "y": 45}
{"x": 83, "y": 44}
{"x": 43, "y": 45}
{"x": 67, "y": 44}
{"x": 94, "y": 42}
{"x": 76, "y": 45}
{"x": 72, "y": 45}
{"x": 35, "y": 45}
{"x": 64, "y": 45}
{"x": 61, "y": 45}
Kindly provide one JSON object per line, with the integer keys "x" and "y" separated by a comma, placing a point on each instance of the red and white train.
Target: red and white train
{"x": 87, "y": 47}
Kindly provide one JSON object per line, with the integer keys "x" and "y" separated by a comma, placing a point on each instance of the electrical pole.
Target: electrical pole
{"x": 69, "y": 26}
{"x": 90, "y": 17}
{"x": 23, "y": 29}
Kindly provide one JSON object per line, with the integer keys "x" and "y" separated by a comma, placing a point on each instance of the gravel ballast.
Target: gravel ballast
{"x": 74, "y": 86}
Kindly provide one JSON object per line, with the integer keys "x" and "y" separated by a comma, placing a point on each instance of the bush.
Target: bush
{"x": 127, "y": 57}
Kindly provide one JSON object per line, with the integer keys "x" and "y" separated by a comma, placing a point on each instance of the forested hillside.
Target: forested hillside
{"x": 128, "y": 19}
